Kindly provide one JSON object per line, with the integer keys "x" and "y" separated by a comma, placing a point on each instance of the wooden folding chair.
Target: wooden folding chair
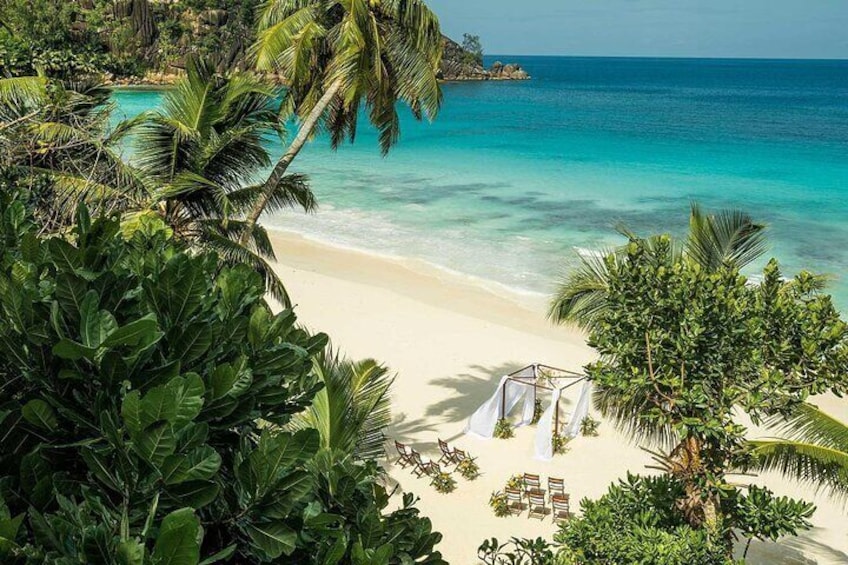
{"x": 514, "y": 501}
{"x": 433, "y": 469}
{"x": 537, "y": 506}
{"x": 404, "y": 457}
{"x": 555, "y": 487}
{"x": 561, "y": 508}
{"x": 460, "y": 455}
{"x": 448, "y": 454}
{"x": 421, "y": 468}
{"x": 532, "y": 484}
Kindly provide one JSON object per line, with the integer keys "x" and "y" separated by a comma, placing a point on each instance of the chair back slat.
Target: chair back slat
{"x": 513, "y": 495}
{"x": 532, "y": 481}
{"x": 537, "y": 499}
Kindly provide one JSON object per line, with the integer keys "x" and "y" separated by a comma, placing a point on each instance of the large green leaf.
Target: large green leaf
{"x": 277, "y": 455}
{"x": 178, "y": 542}
{"x": 156, "y": 443}
{"x": 274, "y": 538}
{"x": 143, "y": 330}
{"x": 130, "y": 552}
{"x": 39, "y": 413}
{"x": 200, "y": 464}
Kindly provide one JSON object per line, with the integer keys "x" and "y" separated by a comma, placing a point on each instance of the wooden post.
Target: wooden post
{"x": 556, "y": 418}
{"x": 503, "y": 400}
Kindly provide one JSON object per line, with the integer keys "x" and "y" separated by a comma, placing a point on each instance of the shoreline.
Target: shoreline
{"x": 449, "y": 340}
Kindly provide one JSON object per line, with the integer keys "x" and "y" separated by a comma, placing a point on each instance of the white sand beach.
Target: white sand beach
{"x": 449, "y": 341}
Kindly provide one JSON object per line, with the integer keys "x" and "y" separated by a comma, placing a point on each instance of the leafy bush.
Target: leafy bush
{"x": 444, "y": 483}
{"x": 589, "y": 426}
{"x": 143, "y": 393}
{"x": 503, "y": 429}
{"x": 516, "y": 552}
{"x": 500, "y": 504}
{"x": 469, "y": 469}
{"x": 515, "y": 482}
{"x": 637, "y": 522}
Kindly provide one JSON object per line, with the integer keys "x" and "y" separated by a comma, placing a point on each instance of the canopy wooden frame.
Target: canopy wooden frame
{"x": 541, "y": 373}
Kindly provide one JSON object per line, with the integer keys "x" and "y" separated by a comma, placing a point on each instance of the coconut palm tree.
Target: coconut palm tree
{"x": 337, "y": 56}
{"x": 730, "y": 236}
{"x": 56, "y": 138}
{"x": 353, "y": 409}
{"x": 200, "y": 156}
{"x": 813, "y": 450}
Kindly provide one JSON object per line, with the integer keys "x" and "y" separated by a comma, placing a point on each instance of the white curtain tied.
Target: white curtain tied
{"x": 544, "y": 433}
{"x": 580, "y": 411}
{"x": 482, "y": 422}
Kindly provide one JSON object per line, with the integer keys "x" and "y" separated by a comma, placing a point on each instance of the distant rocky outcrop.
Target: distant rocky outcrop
{"x": 460, "y": 65}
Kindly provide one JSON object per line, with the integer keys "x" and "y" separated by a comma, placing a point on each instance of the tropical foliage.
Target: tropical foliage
{"x": 145, "y": 396}
{"x": 683, "y": 347}
{"x": 813, "y": 450}
{"x": 194, "y": 161}
{"x": 638, "y": 521}
{"x": 126, "y": 38}
{"x": 336, "y": 57}
{"x": 516, "y": 552}
{"x": 730, "y": 237}
{"x": 353, "y": 409}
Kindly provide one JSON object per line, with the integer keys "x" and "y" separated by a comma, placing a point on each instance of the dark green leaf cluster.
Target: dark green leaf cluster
{"x": 143, "y": 398}
{"x": 636, "y": 522}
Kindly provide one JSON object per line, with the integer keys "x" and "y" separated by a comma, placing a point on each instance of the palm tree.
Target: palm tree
{"x": 728, "y": 237}
{"x": 336, "y": 56}
{"x": 199, "y": 156}
{"x": 56, "y": 138}
{"x": 353, "y": 409}
{"x": 814, "y": 450}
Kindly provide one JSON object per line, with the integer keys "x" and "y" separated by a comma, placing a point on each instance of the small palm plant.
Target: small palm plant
{"x": 353, "y": 409}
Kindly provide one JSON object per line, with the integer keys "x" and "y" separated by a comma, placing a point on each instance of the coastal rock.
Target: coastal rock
{"x": 460, "y": 65}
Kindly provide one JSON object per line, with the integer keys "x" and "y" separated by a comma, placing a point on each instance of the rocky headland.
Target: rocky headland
{"x": 459, "y": 65}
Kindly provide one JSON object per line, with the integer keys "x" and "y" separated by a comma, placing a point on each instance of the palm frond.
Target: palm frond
{"x": 292, "y": 191}
{"x": 728, "y": 237}
{"x": 353, "y": 409}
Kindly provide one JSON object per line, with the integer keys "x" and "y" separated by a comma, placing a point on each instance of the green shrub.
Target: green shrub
{"x": 637, "y": 522}
{"x": 503, "y": 429}
{"x": 143, "y": 393}
{"x": 516, "y": 552}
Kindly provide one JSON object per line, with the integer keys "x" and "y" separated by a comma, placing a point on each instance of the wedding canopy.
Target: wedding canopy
{"x": 524, "y": 385}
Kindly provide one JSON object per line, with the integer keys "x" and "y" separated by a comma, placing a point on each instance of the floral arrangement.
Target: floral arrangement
{"x": 503, "y": 429}
{"x": 468, "y": 468}
{"x": 537, "y": 412}
{"x": 500, "y": 504}
{"x": 515, "y": 482}
{"x": 589, "y": 426}
{"x": 444, "y": 483}
{"x": 560, "y": 444}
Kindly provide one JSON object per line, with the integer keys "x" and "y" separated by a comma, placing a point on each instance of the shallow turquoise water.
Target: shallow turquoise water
{"x": 512, "y": 176}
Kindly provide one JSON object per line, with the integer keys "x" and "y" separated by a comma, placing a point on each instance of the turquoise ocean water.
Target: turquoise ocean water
{"x": 512, "y": 176}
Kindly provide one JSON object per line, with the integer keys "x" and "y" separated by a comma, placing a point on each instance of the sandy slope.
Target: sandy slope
{"x": 450, "y": 340}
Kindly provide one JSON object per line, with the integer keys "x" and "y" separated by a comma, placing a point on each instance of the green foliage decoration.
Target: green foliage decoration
{"x": 560, "y": 444}
{"x": 443, "y": 483}
{"x": 589, "y": 426}
{"x": 538, "y": 410}
{"x": 499, "y": 504}
{"x": 503, "y": 429}
{"x": 468, "y": 468}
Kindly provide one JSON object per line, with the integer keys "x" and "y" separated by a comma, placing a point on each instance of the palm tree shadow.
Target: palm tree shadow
{"x": 794, "y": 551}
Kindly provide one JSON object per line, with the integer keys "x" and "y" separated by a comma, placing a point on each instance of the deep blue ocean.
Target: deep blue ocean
{"x": 512, "y": 176}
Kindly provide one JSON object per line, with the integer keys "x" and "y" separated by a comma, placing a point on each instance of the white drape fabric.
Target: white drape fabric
{"x": 544, "y": 433}
{"x": 482, "y": 422}
{"x": 580, "y": 411}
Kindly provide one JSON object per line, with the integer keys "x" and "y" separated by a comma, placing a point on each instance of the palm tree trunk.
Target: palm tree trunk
{"x": 303, "y": 134}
